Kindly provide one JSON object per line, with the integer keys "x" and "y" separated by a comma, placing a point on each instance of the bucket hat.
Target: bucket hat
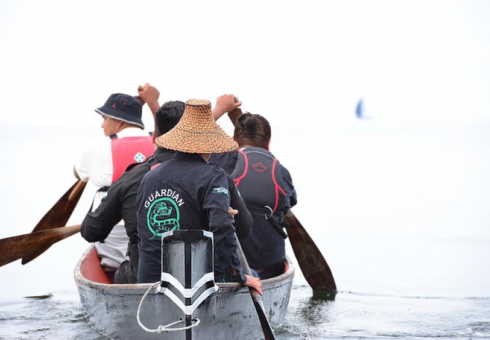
{"x": 197, "y": 132}
{"x": 123, "y": 107}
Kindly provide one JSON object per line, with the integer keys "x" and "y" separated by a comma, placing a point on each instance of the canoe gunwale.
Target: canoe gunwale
{"x": 137, "y": 288}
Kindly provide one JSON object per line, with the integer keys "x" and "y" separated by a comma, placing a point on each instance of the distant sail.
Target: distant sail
{"x": 360, "y": 109}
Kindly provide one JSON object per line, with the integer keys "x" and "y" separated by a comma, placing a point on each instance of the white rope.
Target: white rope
{"x": 161, "y": 328}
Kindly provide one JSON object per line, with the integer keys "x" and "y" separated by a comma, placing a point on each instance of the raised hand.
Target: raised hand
{"x": 225, "y": 103}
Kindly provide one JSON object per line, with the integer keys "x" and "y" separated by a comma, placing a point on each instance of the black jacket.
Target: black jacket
{"x": 185, "y": 192}
{"x": 119, "y": 204}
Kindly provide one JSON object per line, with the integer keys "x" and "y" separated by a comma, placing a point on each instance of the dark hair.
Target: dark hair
{"x": 167, "y": 116}
{"x": 253, "y": 130}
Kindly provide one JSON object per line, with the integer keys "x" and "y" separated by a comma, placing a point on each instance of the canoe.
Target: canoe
{"x": 227, "y": 314}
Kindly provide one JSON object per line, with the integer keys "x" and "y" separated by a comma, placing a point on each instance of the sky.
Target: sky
{"x": 293, "y": 61}
{"x": 421, "y": 67}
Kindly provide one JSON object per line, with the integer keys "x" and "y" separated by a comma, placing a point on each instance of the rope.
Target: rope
{"x": 161, "y": 328}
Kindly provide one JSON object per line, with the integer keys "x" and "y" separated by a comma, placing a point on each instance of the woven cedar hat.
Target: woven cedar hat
{"x": 197, "y": 132}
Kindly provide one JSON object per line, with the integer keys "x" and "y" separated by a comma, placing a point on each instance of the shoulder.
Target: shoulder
{"x": 96, "y": 157}
{"x": 215, "y": 174}
{"x": 224, "y": 156}
{"x": 227, "y": 161}
{"x": 285, "y": 172}
{"x": 137, "y": 171}
{"x": 96, "y": 147}
{"x": 216, "y": 168}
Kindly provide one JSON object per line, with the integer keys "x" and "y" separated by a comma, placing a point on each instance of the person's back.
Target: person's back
{"x": 189, "y": 193}
{"x": 268, "y": 191}
{"x": 183, "y": 193}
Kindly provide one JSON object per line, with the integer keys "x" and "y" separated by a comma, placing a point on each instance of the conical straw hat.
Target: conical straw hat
{"x": 197, "y": 132}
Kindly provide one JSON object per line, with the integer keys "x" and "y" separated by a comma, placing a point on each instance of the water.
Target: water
{"x": 350, "y": 315}
{"x": 399, "y": 211}
{"x": 58, "y": 316}
{"x": 359, "y": 315}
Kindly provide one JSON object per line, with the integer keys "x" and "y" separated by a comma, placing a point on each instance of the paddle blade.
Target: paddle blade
{"x": 58, "y": 215}
{"x": 310, "y": 259}
{"x": 17, "y": 247}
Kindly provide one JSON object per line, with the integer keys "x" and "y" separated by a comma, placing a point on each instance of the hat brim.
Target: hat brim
{"x": 118, "y": 115}
{"x": 190, "y": 141}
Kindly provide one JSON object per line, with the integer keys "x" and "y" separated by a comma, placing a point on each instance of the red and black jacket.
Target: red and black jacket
{"x": 267, "y": 189}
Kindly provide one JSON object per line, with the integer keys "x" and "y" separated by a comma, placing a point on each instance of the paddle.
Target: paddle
{"x": 25, "y": 245}
{"x": 256, "y": 298}
{"x": 310, "y": 259}
{"x": 57, "y": 216}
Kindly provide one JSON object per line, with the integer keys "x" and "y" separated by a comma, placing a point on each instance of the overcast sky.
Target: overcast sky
{"x": 302, "y": 64}
{"x": 409, "y": 60}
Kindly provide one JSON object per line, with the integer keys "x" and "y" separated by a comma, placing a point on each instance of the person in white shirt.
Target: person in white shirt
{"x": 105, "y": 161}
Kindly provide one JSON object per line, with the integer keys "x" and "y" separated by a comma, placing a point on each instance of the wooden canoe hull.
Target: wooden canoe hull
{"x": 228, "y": 314}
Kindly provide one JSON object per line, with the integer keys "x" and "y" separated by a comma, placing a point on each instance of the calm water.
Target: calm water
{"x": 351, "y": 315}
{"x": 400, "y": 212}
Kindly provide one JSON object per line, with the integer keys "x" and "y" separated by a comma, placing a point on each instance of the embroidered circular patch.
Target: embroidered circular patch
{"x": 163, "y": 215}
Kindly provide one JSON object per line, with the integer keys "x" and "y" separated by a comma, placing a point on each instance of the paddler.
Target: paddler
{"x": 268, "y": 190}
{"x": 107, "y": 159}
{"x": 120, "y": 200}
{"x": 187, "y": 192}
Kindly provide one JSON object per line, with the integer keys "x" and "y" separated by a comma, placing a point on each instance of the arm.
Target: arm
{"x": 75, "y": 173}
{"x": 215, "y": 203}
{"x": 95, "y": 163}
{"x": 234, "y": 115}
{"x": 225, "y": 103}
{"x": 291, "y": 198}
{"x": 150, "y": 95}
{"x": 97, "y": 225}
{"x": 83, "y": 165}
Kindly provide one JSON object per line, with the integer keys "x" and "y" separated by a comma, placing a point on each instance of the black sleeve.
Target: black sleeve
{"x": 243, "y": 220}
{"x": 97, "y": 225}
{"x": 216, "y": 203}
{"x": 291, "y": 198}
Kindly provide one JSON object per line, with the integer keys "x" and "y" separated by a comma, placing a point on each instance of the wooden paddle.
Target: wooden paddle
{"x": 57, "y": 216}
{"x": 310, "y": 259}
{"x": 256, "y": 298}
{"x": 26, "y": 245}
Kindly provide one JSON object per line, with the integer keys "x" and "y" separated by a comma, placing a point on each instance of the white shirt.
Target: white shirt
{"x": 95, "y": 163}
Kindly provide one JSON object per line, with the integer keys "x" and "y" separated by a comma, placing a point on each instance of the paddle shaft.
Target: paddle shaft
{"x": 79, "y": 186}
{"x": 20, "y": 246}
{"x": 257, "y": 299}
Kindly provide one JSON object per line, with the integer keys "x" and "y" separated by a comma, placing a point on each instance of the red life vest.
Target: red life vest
{"x": 128, "y": 150}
